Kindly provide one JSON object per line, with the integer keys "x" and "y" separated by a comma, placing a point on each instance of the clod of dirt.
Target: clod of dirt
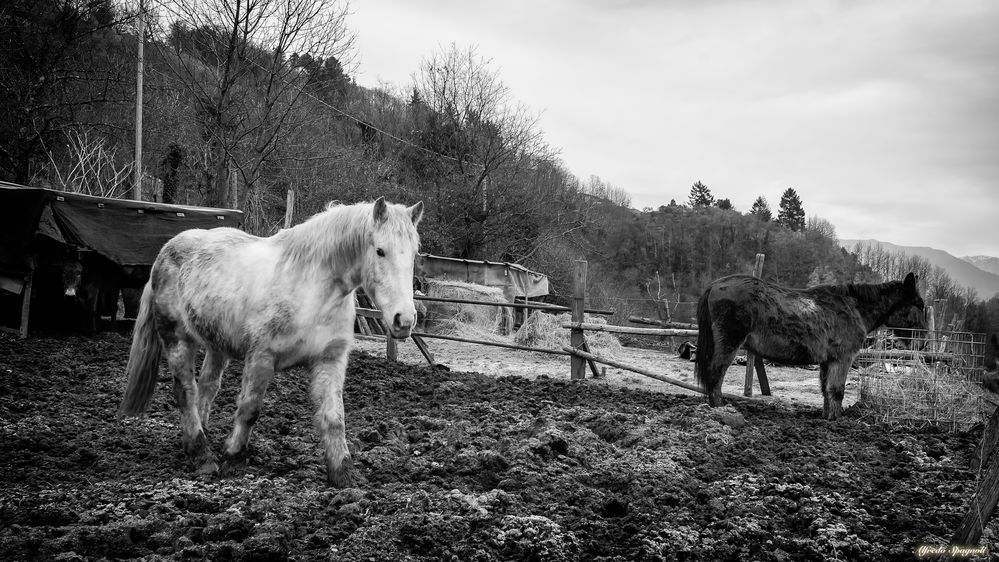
{"x": 729, "y": 416}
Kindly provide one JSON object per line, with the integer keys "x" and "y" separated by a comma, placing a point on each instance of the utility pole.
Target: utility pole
{"x": 141, "y": 23}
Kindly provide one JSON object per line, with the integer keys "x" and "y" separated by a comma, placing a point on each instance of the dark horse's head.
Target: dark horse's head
{"x": 907, "y": 319}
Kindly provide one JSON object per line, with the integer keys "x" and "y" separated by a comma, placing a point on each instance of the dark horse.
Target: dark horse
{"x": 93, "y": 283}
{"x": 823, "y": 325}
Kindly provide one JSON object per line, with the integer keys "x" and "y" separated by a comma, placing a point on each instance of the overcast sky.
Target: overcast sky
{"x": 882, "y": 115}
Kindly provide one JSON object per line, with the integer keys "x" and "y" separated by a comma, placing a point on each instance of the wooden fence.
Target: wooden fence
{"x": 582, "y": 357}
{"x": 579, "y": 352}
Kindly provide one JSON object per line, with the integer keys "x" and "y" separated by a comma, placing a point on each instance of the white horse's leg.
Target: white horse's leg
{"x": 327, "y": 393}
{"x": 180, "y": 356}
{"x": 258, "y": 372}
{"x": 208, "y": 382}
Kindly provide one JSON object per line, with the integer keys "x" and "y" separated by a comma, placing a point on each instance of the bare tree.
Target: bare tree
{"x": 661, "y": 298}
{"x": 474, "y": 121}
{"x": 61, "y": 68}
{"x": 238, "y": 60}
{"x": 604, "y": 189}
{"x": 821, "y": 227}
{"x": 91, "y": 165}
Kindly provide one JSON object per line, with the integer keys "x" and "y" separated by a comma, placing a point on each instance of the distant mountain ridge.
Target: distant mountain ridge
{"x": 985, "y": 263}
{"x": 965, "y": 272}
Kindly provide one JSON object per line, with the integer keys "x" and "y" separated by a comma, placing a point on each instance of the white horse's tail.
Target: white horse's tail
{"x": 143, "y": 360}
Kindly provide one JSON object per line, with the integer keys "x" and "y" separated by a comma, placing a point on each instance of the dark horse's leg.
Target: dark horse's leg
{"x": 726, "y": 346}
{"x": 834, "y": 387}
{"x": 729, "y": 335}
{"x": 257, "y": 375}
{"x": 824, "y": 385}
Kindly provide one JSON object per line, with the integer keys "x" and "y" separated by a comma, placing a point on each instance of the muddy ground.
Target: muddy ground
{"x": 459, "y": 466}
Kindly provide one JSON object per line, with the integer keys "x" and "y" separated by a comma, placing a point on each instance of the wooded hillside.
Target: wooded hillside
{"x": 245, "y": 100}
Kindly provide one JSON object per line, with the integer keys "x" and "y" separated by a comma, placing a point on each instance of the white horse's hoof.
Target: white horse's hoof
{"x": 208, "y": 467}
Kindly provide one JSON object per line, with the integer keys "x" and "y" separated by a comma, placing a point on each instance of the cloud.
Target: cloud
{"x": 882, "y": 115}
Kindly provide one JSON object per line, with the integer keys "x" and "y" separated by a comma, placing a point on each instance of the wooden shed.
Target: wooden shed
{"x": 114, "y": 242}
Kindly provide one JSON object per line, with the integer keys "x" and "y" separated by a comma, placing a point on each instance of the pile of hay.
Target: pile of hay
{"x": 467, "y": 320}
{"x": 546, "y": 331}
{"x": 912, "y": 392}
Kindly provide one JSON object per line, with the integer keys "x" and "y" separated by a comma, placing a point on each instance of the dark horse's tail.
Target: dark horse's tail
{"x": 143, "y": 360}
{"x": 705, "y": 344}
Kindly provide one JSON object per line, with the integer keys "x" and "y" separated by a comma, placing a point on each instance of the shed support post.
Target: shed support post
{"x": 26, "y": 303}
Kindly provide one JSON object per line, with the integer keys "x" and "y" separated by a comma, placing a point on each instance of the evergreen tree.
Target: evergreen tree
{"x": 791, "y": 215}
{"x": 761, "y": 209}
{"x": 724, "y": 204}
{"x": 700, "y": 196}
{"x": 414, "y": 98}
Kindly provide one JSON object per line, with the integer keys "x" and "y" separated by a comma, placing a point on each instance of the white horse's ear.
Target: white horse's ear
{"x": 416, "y": 211}
{"x": 381, "y": 210}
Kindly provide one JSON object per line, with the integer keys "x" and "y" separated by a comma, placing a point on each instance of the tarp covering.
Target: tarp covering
{"x": 516, "y": 279}
{"x": 124, "y": 231}
{"x": 20, "y": 210}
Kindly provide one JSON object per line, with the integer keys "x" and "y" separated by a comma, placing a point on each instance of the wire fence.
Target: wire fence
{"x": 919, "y": 378}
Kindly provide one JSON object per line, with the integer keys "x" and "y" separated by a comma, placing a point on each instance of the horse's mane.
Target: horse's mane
{"x": 337, "y": 235}
{"x": 860, "y": 291}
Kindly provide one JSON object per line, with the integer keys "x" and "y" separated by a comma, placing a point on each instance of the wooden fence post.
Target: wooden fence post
{"x": 983, "y": 502}
{"x": 391, "y": 347}
{"x": 980, "y": 456}
{"x": 576, "y": 337}
{"x": 26, "y": 302}
{"x": 750, "y": 359}
{"x": 931, "y": 329}
{"x": 233, "y": 188}
{"x": 289, "y": 210}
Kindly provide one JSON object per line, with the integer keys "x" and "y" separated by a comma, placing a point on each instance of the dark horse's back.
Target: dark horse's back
{"x": 767, "y": 318}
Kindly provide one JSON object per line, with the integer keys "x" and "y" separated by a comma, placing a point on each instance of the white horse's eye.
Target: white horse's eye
{"x": 380, "y": 252}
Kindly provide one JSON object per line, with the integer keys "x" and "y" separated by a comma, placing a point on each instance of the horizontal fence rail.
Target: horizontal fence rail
{"x": 533, "y": 306}
{"x": 662, "y": 324}
{"x": 492, "y": 343}
{"x": 611, "y": 328}
{"x": 904, "y": 355}
{"x": 651, "y": 374}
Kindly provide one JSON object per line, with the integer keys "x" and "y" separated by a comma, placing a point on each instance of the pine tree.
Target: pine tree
{"x": 700, "y": 196}
{"x": 791, "y": 215}
{"x": 761, "y": 209}
{"x": 414, "y": 98}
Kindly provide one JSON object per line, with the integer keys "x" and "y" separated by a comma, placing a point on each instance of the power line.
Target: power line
{"x": 339, "y": 111}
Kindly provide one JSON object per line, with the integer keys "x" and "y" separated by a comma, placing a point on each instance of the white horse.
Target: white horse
{"x": 276, "y": 302}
